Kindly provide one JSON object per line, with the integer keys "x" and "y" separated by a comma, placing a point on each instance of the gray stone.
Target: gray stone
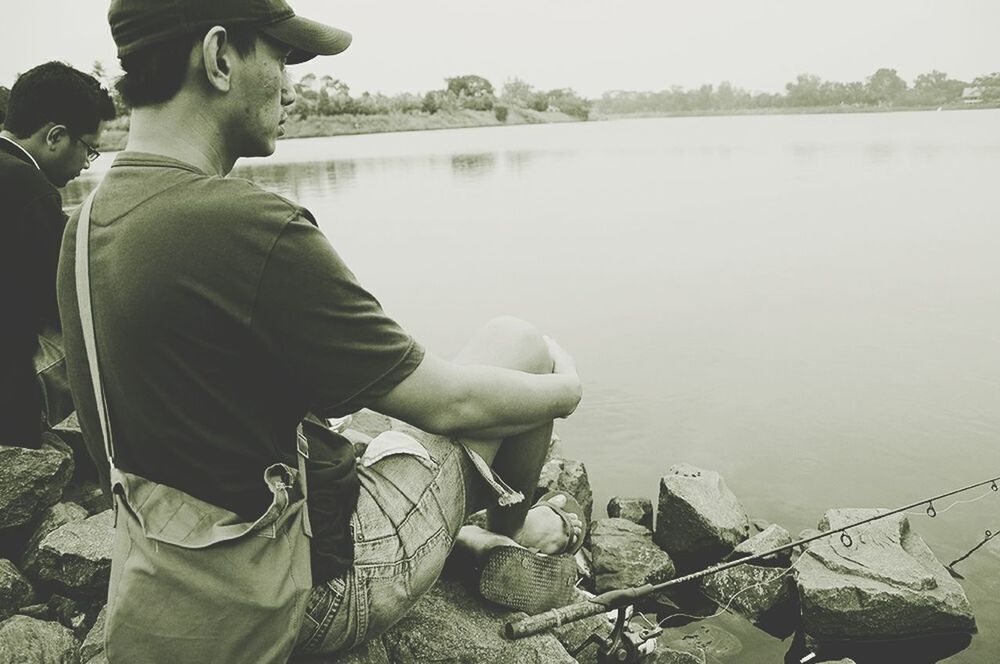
{"x": 450, "y": 626}
{"x": 764, "y": 595}
{"x": 667, "y": 655}
{"x": 25, "y": 640}
{"x": 636, "y": 510}
{"x": 706, "y": 641}
{"x": 75, "y": 614}
{"x": 15, "y": 589}
{"x": 569, "y": 475}
{"x": 88, "y": 495}
{"x": 698, "y": 519}
{"x": 100, "y": 658}
{"x": 886, "y": 585}
{"x": 624, "y": 556}
{"x": 772, "y": 537}
{"x": 30, "y": 481}
{"x": 76, "y": 557}
{"x": 93, "y": 644}
{"x": 57, "y": 515}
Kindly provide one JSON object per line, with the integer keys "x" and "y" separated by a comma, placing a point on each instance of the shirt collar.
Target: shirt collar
{"x": 18, "y": 146}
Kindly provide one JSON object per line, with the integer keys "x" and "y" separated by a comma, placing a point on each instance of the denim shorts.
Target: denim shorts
{"x": 415, "y": 495}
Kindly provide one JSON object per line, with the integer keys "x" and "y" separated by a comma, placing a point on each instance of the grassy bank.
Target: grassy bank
{"x": 116, "y": 134}
{"x": 796, "y": 110}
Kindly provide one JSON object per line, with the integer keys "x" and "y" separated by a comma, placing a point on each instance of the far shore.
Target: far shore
{"x": 116, "y": 135}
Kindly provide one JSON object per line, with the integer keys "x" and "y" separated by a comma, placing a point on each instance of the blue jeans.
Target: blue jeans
{"x": 414, "y": 498}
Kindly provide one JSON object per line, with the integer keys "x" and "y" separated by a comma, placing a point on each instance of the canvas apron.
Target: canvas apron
{"x": 192, "y": 582}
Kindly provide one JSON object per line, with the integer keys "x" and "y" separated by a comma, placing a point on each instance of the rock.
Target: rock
{"x": 76, "y": 557}
{"x": 698, "y": 519}
{"x": 101, "y": 658}
{"x": 706, "y": 641}
{"x": 57, "y": 515}
{"x": 771, "y": 537}
{"x": 449, "y": 626}
{"x": 624, "y": 556}
{"x": 93, "y": 644}
{"x": 667, "y": 655}
{"x": 567, "y": 475}
{"x": 15, "y": 589}
{"x": 30, "y": 481}
{"x": 760, "y": 525}
{"x": 25, "y": 640}
{"x": 636, "y": 510}
{"x": 88, "y": 495}
{"x": 764, "y": 595}
{"x": 555, "y": 448}
{"x": 76, "y": 615}
{"x": 40, "y": 611}
{"x": 886, "y": 585}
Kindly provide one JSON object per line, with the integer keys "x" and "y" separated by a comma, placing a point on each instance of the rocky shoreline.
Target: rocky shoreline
{"x": 836, "y": 598}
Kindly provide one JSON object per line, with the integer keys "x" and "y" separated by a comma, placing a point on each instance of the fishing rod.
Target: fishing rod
{"x": 620, "y": 599}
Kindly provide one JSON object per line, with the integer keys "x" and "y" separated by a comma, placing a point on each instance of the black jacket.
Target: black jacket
{"x": 31, "y": 227}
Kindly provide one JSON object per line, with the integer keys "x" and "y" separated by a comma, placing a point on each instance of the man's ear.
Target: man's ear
{"x": 217, "y": 58}
{"x": 54, "y": 134}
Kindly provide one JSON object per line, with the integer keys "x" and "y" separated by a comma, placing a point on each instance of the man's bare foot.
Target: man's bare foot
{"x": 544, "y": 531}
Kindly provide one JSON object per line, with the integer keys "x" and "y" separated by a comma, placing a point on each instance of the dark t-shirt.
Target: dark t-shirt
{"x": 222, "y": 316}
{"x": 31, "y": 225}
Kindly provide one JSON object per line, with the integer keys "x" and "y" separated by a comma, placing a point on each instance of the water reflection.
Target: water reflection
{"x": 473, "y": 165}
{"x": 299, "y": 180}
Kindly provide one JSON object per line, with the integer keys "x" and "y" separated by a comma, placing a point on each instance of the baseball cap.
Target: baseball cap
{"x": 139, "y": 23}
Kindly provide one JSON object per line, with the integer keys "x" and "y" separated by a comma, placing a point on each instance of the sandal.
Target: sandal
{"x": 520, "y": 579}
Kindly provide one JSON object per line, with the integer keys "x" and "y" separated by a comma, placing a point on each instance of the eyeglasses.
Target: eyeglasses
{"x": 92, "y": 152}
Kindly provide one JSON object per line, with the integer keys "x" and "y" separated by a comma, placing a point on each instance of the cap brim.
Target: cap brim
{"x": 307, "y": 38}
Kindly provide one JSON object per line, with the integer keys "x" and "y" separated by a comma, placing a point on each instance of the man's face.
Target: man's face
{"x": 68, "y": 156}
{"x": 263, "y": 90}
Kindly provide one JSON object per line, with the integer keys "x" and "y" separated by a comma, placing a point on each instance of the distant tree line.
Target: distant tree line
{"x": 326, "y": 96}
{"x": 884, "y": 88}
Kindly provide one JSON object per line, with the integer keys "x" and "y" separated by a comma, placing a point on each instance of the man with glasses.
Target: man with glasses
{"x": 54, "y": 117}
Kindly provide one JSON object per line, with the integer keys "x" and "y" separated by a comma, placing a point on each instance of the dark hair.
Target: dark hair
{"x": 55, "y": 92}
{"x": 155, "y": 73}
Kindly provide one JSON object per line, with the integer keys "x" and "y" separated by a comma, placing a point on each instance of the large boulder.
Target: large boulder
{"x": 76, "y": 557}
{"x": 698, "y": 519}
{"x": 887, "y": 584}
{"x": 636, "y": 510}
{"x": 25, "y": 640}
{"x": 624, "y": 556}
{"x": 764, "y": 595}
{"x": 772, "y": 537}
{"x": 30, "y": 481}
{"x": 15, "y": 589}
{"x": 93, "y": 644}
{"x": 569, "y": 475}
{"x": 450, "y": 626}
{"x": 54, "y": 516}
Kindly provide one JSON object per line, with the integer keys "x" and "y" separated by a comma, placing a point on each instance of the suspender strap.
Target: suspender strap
{"x": 87, "y": 321}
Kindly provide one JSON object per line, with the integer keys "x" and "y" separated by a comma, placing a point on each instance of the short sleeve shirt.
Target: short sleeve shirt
{"x": 222, "y": 315}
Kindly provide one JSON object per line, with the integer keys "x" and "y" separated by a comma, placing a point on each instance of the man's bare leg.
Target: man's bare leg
{"x": 513, "y": 344}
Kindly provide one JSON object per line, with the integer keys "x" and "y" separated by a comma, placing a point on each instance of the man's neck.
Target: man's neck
{"x": 181, "y": 130}
{"x": 24, "y": 144}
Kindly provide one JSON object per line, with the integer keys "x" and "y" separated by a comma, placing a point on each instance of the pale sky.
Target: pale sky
{"x": 591, "y": 46}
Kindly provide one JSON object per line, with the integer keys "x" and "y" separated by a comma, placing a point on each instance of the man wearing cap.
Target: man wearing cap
{"x": 221, "y": 318}
{"x": 54, "y": 118}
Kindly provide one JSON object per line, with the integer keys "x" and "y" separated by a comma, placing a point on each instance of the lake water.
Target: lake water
{"x": 808, "y": 304}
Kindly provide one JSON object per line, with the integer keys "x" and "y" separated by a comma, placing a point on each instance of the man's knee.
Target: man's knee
{"x": 519, "y": 344}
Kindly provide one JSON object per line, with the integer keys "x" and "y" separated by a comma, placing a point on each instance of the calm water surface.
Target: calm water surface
{"x": 808, "y": 304}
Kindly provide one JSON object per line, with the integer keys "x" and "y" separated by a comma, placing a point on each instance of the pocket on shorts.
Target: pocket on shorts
{"x": 390, "y": 443}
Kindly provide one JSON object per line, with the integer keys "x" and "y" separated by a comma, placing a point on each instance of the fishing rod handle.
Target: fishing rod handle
{"x": 516, "y": 629}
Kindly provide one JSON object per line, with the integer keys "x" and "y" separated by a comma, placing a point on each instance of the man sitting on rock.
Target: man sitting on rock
{"x": 53, "y": 120}
{"x": 221, "y": 317}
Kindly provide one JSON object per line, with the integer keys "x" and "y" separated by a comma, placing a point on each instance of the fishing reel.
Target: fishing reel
{"x": 624, "y": 645}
